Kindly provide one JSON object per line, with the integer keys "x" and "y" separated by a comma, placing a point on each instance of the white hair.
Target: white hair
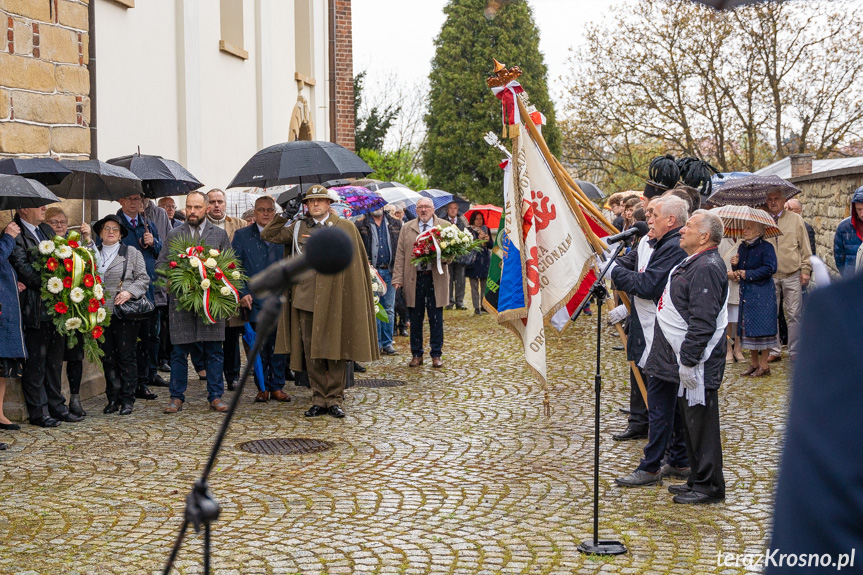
{"x": 425, "y": 201}
{"x": 673, "y": 206}
{"x": 710, "y": 224}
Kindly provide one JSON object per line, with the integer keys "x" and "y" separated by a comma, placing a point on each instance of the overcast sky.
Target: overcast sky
{"x": 394, "y": 37}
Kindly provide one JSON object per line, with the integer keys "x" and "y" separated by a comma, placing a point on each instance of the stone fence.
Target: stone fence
{"x": 826, "y": 201}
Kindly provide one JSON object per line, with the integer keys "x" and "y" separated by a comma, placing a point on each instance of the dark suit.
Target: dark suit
{"x": 42, "y": 370}
{"x": 819, "y": 502}
{"x": 255, "y": 255}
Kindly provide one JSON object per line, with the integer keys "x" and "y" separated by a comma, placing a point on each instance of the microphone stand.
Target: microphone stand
{"x": 598, "y": 291}
{"x": 201, "y": 507}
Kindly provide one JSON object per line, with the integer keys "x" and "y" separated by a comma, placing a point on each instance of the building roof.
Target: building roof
{"x": 782, "y": 168}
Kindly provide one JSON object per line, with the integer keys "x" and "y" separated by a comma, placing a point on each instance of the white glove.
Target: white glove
{"x": 618, "y": 314}
{"x": 688, "y": 376}
{"x": 605, "y": 264}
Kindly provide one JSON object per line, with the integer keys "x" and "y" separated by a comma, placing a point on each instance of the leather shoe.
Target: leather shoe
{"x": 761, "y": 372}
{"x": 337, "y": 411}
{"x": 416, "y": 361}
{"x": 696, "y": 498}
{"x": 678, "y": 472}
{"x": 640, "y": 478}
{"x": 450, "y": 306}
{"x": 358, "y": 368}
{"x": 69, "y": 417}
{"x": 678, "y": 489}
{"x": 232, "y": 384}
{"x": 202, "y": 375}
{"x": 630, "y": 434}
{"x": 45, "y": 422}
{"x": 316, "y": 410}
{"x": 112, "y": 407}
{"x": 262, "y": 397}
{"x": 126, "y": 409}
{"x": 164, "y": 366}
{"x": 389, "y": 350}
{"x": 280, "y": 395}
{"x": 437, "y": 362}
{"x": 143, "y": 392}
{"x": 403, "y": 332}
{"x": 175, "y": 405}
{"x": 10, "y": 426}
{"x": 624, "y": 411}
{"x": 752, "y": 369}
{"x": 460, "y": 307}
{"x": 218, "y": 405}
{"x": 159, "y": 381}
{"x": 289, "y": 375}
{"x": 773, "y": 358}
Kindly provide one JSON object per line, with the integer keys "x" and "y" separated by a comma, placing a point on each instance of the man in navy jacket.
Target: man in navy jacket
{"x": 669, "y": 214}
{"x": 255, "y": 255}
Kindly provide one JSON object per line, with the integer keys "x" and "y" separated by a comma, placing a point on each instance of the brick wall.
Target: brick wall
{"x": 344, "y": 75}
{"x": 826, "y": 200}
{"x": 44, "y": 82}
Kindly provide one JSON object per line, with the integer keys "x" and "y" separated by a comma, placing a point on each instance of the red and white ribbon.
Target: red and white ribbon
{"x": 430, "y": 233}
{"x": 202, "y": 271}
{"x": 230, "y": 285}
{"x": 507, "y": 95}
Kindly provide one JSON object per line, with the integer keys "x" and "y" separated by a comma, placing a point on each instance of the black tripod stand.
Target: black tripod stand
{"x": 598, "y": 292}
{"x": 201, "y": 508}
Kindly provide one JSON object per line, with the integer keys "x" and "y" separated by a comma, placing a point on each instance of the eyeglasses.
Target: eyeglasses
{"x": 111, "y": 230}
{"x": 266, "y": 210}
{"x": 57, "y": 222}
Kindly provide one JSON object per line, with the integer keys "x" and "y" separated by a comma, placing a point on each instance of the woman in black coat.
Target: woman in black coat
{"x": 477, "y": 272}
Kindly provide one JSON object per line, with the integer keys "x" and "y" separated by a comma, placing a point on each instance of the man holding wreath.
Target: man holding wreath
{"x": 187, "y": 328}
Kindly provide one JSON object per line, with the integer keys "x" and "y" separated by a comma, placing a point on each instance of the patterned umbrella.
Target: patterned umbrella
{"x": 406, "y": 196}
{"x": 361, "y": 200}
{"x": 752, "y": 191}
{"x": 734, "y": 218}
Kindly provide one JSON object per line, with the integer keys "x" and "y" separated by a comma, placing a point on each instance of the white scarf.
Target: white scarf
{"x": 108, "y": 254}
{"x": 674, "y": 329}
{"x": 646, "y": 308}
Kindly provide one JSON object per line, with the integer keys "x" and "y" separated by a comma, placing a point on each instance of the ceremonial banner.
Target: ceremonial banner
{"x": 543, "y": 254}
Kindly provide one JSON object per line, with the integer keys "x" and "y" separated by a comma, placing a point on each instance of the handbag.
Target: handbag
{"x": 135, "y": 309}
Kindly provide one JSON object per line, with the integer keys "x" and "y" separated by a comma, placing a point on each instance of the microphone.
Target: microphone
{"x": 328, "y": 252}
{"x": 637, "y": 230}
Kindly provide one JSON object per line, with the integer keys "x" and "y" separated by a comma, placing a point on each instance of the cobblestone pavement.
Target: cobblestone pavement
{"x": 457, "y": 472}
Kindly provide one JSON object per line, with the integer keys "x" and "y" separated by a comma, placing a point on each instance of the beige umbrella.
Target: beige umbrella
{"x": 734, "y": 218}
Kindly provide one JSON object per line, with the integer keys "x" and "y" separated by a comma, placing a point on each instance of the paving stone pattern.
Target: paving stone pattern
{"x": 458, "y": 472}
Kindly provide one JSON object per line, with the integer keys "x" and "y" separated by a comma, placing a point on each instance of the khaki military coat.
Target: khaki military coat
{"x": 405, "y": 273}
{"x": 344, "y": 324}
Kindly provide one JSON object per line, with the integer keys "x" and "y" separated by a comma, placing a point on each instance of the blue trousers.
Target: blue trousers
{"x": 388, "y": 300}
{"x": 214, "y": 360}
{"x": 425, "y": 301}
{"x": 666, "y": 427}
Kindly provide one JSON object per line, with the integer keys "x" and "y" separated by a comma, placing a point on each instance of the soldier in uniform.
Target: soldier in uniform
{"x": 330, "y": 319}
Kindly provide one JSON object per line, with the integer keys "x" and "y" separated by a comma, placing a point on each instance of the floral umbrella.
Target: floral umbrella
{"x": 361, "y": 200}
{"x": 734, "y": 217}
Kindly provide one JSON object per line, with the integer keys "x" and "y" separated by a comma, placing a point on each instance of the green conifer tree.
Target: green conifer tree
{"x": 462, "y": 108}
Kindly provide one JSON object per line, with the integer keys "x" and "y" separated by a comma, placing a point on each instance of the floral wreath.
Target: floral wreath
{"x": 198, "y": 281}
{"x": 72, "y": 291}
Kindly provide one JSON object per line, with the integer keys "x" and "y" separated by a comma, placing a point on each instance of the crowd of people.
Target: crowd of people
{"x": 678, "y": 346}
{"x": 132, "y": 244}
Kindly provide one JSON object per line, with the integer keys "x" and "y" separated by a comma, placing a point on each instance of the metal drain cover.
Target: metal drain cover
{"x": 285, "y": 446}
{"x": 379, "y": 383}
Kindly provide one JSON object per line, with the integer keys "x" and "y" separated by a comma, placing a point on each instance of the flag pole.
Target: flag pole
{"x": 576, "y": 198}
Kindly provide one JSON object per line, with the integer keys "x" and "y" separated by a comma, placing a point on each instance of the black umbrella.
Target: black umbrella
{"x": 18, "y": 192}
{"x": 43, "y": 170}
{"x": 160, "y": 176}
{"x": 463, "y": 206}
{"x": 300, "y": 162}
{"x": 590, "y": 190}
{"x": 292, "y": 192}
{"x": 95, "y": 180}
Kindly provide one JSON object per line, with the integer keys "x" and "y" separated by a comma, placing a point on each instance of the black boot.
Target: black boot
{"x": 143, "y": 392}
{"x": 75, "y": 405}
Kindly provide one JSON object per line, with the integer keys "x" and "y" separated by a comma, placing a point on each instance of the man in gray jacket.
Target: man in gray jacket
{"x": 188, "y": 329}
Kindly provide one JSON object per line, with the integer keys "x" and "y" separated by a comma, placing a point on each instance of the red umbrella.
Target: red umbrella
{"x": 490, "y": 214}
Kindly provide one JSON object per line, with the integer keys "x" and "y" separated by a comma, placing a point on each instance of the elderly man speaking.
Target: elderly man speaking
{"x": 689, "y": 349}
